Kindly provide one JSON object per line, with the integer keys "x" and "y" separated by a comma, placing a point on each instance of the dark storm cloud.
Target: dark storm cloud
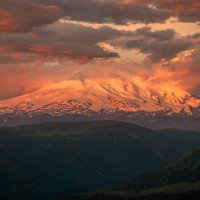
{"x": 113, "y": 11}
{"x": 158, "y": 45}
{"x": 63, "y": 41}
{"x": 24, "y": 15}
{"x": 195, "y": 36}
{"x": 159, "y": 35}
{"x": 10, "y": 59}
{"x": 184, "y": 10}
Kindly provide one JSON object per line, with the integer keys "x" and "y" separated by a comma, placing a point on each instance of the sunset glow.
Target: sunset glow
{"x": 155, "y": 43}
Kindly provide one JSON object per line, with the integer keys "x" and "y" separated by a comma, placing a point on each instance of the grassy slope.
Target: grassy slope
{"x": 189, "y": 161}
{"x": 171, "y": 190}
{"x": 185, "y": 169}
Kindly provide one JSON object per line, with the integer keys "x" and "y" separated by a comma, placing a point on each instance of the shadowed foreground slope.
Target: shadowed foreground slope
{"x": 179, "y": 180}
{"x": 52, "y": 160}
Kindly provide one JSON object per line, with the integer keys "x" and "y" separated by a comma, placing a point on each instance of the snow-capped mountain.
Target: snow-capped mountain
{"x": 117, "y": 98}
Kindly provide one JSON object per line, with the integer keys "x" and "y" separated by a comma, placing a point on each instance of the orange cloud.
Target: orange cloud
{"x": 7, "y": 22}
{"x": 17, "y": 80}
{"x": 181, "y": 73}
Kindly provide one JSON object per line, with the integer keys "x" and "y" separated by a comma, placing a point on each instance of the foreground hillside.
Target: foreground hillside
{"x": 51, "y": 160}
{"x": 186, "y": 169}
{"x": 190, "y": 195}
{"x": 179, "y": 180}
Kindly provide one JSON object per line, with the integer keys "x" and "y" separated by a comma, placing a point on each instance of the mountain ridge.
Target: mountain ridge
{"x": 115, "y": 99}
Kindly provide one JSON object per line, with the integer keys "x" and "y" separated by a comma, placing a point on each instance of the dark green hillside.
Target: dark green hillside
{"x": 192, "y": 195}
{"x": 157, "y": 185}
{"x": 186, "y": 169}
{"x": 56, "y": 159}
{"x": 17, "y": 183}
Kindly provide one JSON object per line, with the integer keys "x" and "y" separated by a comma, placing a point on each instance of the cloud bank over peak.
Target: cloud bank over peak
{"x": 47, "y": 41}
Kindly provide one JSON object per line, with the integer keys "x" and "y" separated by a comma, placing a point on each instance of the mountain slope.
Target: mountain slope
{"x": 186, "y": 169}
{"x": 185, "y": 192}
{"x": 65, "y": 157}
{"x": 178, "y": 180}
{"x": 117, "y": 98}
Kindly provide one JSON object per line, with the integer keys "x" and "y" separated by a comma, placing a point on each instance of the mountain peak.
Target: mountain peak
{"x": 113, "y": 93}
{"x": 107, "y": 96}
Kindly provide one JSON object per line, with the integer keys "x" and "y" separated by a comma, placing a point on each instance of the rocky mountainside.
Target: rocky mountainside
{"x": 117, "y": 98}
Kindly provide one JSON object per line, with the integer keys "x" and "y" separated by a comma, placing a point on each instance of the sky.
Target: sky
{"x": 47, "y": 41}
